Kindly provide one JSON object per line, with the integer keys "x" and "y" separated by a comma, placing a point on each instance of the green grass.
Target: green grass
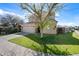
{"x": 62, "y": 43}
{"x": 1, "y": 35}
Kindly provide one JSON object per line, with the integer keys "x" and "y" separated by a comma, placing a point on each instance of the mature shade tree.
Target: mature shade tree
{"x": 11, "y": 20}
{"x": 38, "y": 9}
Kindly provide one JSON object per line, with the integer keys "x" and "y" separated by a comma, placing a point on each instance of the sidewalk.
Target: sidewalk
{"x": 10, "y": 36}
{"x": 11, "y": 49}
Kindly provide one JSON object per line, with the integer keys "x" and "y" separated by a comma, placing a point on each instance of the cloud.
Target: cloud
{"x": 3, "y": 12}
{"x": 73, "y": 21}
{"x": 67, "y": 24}
{"x": 57, "y": 15}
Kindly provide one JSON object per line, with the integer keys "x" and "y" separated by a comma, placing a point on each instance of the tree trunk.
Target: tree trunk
{"x": 41, "y": 32}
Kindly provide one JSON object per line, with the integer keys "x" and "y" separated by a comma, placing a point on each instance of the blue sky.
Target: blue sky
{"x": 11, "y": 8}
{"x": 69, "y": 14}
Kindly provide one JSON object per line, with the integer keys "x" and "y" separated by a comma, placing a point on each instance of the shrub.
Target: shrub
{"x": 11, "y": 30}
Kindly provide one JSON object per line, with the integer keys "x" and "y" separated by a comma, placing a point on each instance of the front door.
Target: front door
{"x": 38, "y": 30}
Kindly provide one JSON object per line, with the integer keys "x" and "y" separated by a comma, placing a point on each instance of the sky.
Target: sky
{"x": 11, "y": 7}
{"x": 68, "y": 15}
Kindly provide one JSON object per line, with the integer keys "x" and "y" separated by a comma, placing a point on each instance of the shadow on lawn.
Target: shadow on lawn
{"x": 52, "y": 51}
{"x": 65, "y": 39}
{"x": 61, "y": 39}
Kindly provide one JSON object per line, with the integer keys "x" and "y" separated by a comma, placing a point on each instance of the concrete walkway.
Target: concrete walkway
{"x": 11, "y": 49}
{"x": 10, "y": 36}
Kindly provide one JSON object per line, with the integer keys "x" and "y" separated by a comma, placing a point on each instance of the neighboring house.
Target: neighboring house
{"x": 32, "y": 27}
{"x": 65, "y": 29}
{"x": 60, "y": 30}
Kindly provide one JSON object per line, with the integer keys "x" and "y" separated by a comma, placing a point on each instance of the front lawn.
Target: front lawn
{"x": 58, "y": 44}
{"x": 1, "y": 35}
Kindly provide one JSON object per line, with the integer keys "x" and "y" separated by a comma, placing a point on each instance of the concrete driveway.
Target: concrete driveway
{"x": 11, "y": 49}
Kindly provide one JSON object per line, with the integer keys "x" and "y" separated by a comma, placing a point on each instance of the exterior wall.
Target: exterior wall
{"x": 33, "y": 30}
{"x": 30, "y": 28}
{"x": 50, "y": 31}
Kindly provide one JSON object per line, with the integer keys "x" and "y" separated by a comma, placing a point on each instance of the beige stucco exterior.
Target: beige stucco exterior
{"x": 31, "y": 26}
{"x": 50, "y": 31}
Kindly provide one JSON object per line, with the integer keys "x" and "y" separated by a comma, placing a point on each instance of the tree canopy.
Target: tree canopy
{"x": 38, "y": 9}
